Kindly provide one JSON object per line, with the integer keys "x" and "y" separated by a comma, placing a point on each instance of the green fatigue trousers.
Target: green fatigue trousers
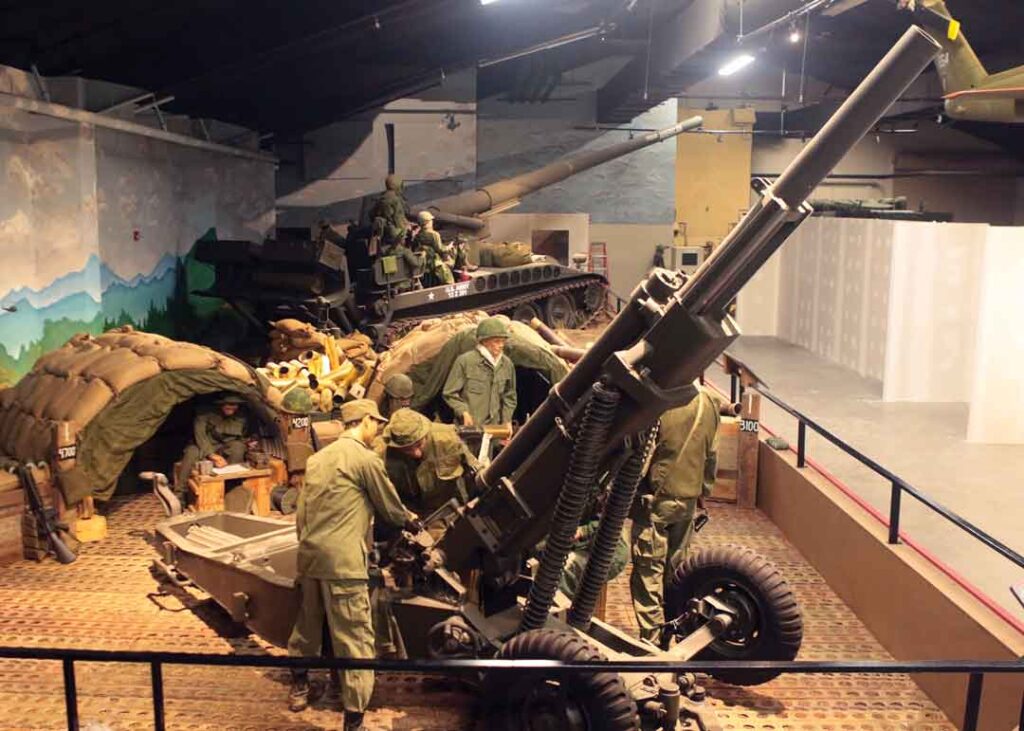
{"x": 346, "y": 603}
{"x": 661, "y": 533}
{"x": 577, "y": 563}
{"x": 233, "y": 451}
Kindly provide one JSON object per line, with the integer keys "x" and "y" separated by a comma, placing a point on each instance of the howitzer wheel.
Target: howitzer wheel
{"x": 560, "y": 311}
{"x": 769, "y": 625}
{"x": 537, "y": 702}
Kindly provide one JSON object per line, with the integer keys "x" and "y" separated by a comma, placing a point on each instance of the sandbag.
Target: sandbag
{"x": 423, "y": 343}
{"x": 68, "y": 395}
{"x": 234, "y": 369}
{"x": 506, "y": 254}
{"x": 70, "y": 359}
{"x": 6, "y": 398}
{"x": 122, "y": 369}
{"x": 8, "y": 429}
{"x": 47, "y": 389}
{"x": 95, "y": 396}
{"x": 177, "y": 356}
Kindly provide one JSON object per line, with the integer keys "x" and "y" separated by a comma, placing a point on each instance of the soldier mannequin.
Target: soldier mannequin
{"x": 427, "y": 462}
{"x": 390, "y": 208}
{"x": 681, "y": 473}
{"x": 345, "y": 486}
{"x": 220, "y": 436}
{"x": 481, "y": 386}
{"x": 398, "y": 393}
{"x": 438, "y": 257}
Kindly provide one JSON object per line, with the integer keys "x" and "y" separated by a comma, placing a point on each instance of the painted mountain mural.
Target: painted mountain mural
{"x": 91, "y": 299}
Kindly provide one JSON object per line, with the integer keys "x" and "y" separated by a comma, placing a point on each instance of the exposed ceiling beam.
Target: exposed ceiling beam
{"x": 842, "y": 6}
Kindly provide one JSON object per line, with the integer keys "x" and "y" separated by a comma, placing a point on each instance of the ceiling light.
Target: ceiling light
{"x": 735, "y": 64}
{"x": 794, "y": 34}
{"x": 487, "y": 2}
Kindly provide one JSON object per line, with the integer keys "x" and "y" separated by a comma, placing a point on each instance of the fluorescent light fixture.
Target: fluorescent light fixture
{"x": 487, "y": 2}
{"x": 735, "y": 64}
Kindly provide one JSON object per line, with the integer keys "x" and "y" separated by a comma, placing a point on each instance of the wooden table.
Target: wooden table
{"x": 210, "y": 494}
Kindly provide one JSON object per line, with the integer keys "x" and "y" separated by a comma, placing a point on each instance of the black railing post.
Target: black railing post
{"x": 734, "y": 390}
{"x": 973, "y": 706}
{"x": 894, "y": 513}
{"x": 70, "y": 694}
{"x": 156, "y": 674}
{"x": 801, "y": 443}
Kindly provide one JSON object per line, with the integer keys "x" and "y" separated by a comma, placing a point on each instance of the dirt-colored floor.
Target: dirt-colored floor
{"x": 109, "y": 599}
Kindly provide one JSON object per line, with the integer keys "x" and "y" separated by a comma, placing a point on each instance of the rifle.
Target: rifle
{"x": 46, "y": 524}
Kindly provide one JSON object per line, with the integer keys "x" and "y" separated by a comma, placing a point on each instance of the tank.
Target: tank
{"x": 332, "y": 282}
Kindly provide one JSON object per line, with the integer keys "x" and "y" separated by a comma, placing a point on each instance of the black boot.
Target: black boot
{"x": 354, "y": 721}
{"x": 303, "y": 692}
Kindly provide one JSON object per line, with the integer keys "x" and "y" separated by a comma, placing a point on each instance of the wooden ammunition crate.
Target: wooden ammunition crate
{"x": 12, "y": 503}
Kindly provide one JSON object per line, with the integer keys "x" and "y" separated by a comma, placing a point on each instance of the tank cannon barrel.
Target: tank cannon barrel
{"x": 670, "y": 330}
{"x": 476, "y": 202}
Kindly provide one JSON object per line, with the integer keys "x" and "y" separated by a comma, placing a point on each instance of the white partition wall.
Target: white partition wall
{"x": 933, "y": 308}
{"x": 997, "y": 391}
{"x": 935, "y": 311}
{"x": 834, "y": 290}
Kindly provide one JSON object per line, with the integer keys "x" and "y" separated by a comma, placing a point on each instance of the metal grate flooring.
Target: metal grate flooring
{"x": 108, "y": 599}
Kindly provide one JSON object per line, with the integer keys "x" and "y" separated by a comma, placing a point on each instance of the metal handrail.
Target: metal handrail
{"x": 898, "y": 484}
{"x": 156, "y": 660}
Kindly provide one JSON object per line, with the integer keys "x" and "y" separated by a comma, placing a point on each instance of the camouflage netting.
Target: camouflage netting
{"x": 426, "y": 353}
{"x": 113, "y": 392}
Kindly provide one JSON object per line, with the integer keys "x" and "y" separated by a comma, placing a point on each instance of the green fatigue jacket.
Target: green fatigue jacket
{"x": 487, "y": 392}
{"x": 390, "y": 206}
{"x": 213, "y": 430}
{"x": 429, "y": 242}
{"x": 685, "y": 458}
{"x": 444, "y": 472}
{"x": 345, "y": 485}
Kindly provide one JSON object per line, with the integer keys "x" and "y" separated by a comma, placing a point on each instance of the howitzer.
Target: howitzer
{"x": 594, "y": 432}
{"x": 46, "y": 519}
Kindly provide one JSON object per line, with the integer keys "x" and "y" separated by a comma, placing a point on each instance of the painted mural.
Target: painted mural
{"x": 97, "y": 229}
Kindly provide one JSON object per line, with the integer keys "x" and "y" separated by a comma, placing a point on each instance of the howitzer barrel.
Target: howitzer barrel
{"x": 475, "y": 202}
{"x": 756, "y": 237}
{"x": 670, "y": 331}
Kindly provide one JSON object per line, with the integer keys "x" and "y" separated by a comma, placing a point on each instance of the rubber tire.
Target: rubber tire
{"x": 781, "y": 623}
{"x": 524, "y": 313}
{"x": 603, "y": 697}
{"x": 560, "y": 311}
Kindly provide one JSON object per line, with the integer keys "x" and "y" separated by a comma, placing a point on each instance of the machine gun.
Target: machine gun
{"x": 46, "y": 523}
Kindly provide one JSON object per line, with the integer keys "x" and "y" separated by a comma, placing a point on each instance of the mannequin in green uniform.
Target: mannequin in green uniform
{"x": 220, "y": 435}
{"x": 398, "y": 393}
{"x": 438, "y": 257}
{"x": 427, "y": 462}
{"x": 682, "y": 471}
{"x": 481, "y": 386}
{"x": 345, "y": 487}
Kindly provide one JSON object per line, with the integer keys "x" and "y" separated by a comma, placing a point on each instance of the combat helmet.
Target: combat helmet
{"x": 399, "y": 386}
{"x": 297, "y": 401}
{"x": 492, "y": 327}
{"x": 406, "y": 428}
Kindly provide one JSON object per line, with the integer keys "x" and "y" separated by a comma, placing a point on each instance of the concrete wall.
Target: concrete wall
{"x": 916, "y": 611}
{"x": 630, "y": 250}
{"x": 95, "y": 226}
{"x": 636, "y": 188}
{"x": 435, "y": 145}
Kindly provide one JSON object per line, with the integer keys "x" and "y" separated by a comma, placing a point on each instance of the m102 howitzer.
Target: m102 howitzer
{"x": 333, "y": 281}
{"x": 466, "y": 594}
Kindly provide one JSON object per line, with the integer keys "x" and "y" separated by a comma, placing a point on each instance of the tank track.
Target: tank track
{"x": 400, "y": 327}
